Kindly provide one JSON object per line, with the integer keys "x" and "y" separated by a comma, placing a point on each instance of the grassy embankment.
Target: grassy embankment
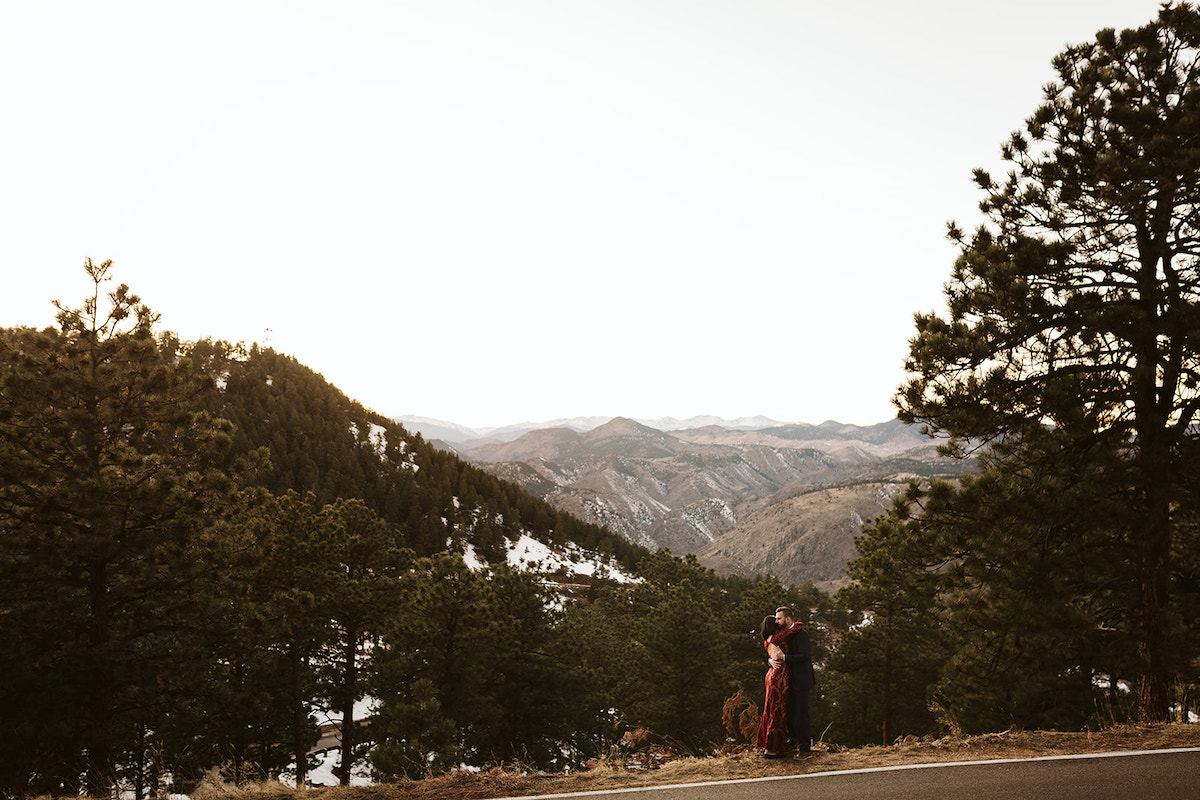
{"x": 745, "y": 763}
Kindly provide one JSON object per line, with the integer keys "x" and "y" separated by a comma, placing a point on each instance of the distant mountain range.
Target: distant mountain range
{"x": 452, "y": 432}
{"x": 748, "y": 496}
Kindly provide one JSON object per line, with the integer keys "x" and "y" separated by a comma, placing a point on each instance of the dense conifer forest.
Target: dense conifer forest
{"x": 207, "y": 549}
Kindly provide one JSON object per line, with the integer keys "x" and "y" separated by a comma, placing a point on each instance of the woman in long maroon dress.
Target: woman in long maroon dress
{"x": 773, "y": 724}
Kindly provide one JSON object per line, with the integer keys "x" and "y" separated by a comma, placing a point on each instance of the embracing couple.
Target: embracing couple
{"x": 784, "y": 725}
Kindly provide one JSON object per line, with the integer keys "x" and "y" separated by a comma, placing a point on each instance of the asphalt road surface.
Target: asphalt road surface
{"x": 1156, "y": 774}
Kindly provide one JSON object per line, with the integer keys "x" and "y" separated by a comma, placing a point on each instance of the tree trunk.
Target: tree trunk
{"x": 299, "y": 718}
{"x": 1153, "y": 547}
{"x": 349, "y": 690}
{"x": 887, "y": 682}
{"x": 143, "y": 759}
{"x": 1153, "y": 597}
{"x": 1154, "y": 385}
{"x": 100, "y": 777}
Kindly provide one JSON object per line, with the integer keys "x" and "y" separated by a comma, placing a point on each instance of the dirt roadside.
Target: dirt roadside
{"x": 747, "y": 763}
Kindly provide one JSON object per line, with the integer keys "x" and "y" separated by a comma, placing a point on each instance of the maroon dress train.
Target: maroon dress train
{"x": 773, "y": 724}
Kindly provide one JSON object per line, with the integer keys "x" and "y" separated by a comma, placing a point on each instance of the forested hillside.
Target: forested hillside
{"x": 322, "y": 442}
{"x": 207, "y": 550}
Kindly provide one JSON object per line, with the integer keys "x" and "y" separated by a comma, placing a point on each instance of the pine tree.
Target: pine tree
{"x": 1077, "y": 307}
{"x": 674, "y": 680}
{"x": 360, "y": 566}
{"x": 106, "y": 503}
{"x": 293, "y": 597}
{"x": 884, "y": 669}
{"x": 526, "y": 683}
{"x": 428, "y": 672}
{"x": 241, "y": 718}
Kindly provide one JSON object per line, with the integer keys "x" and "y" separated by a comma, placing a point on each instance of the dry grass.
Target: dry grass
{"x": 742, "y": 763}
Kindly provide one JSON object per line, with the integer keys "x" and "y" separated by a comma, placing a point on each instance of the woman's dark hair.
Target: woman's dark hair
{"x": 769, "y": 627}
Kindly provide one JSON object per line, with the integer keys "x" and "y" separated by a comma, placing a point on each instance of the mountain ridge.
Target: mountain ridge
{"x": 785, "y": 500}
{"x": 453, "y": 432}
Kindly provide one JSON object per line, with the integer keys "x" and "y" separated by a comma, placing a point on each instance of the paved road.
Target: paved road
{"x": 1157, "y": 774}
{"x": 331, "y": 737}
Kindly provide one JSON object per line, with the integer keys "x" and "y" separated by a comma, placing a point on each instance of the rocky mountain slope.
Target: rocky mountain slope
{"x": 808, "y": 536}
{"x": 786, "y": 500}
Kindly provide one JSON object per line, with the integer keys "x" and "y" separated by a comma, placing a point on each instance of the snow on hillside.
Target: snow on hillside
{"x": 530, "y": 554}
{"x": 377, "y": 437}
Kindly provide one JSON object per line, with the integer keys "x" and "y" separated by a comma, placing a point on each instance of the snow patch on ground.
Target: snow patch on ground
{"x": 529, "y": 554}
{"x": 377, "y": 435}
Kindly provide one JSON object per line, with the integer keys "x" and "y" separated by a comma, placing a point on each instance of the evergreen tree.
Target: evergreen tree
{"x": 1076, "y": 307}
{"x": 526, "y": 685}
{"x": 1037, "y": 615}
{"x": 360, "y": 566}
{"x": 292, "y": 591}
{"x": 237, "y": 715}
{"x": 996, "y": 602}
{"x": 593, "y": 649}
{"x": 882, "y": 670}
{"x": 427, "y": 673}
{"x": 106, "y": 508}
{"x": 675, "y": 679}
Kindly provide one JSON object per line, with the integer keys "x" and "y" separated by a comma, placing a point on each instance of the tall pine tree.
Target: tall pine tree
{"x": 105, "y": 506}
{"x": 1077, "y": 307}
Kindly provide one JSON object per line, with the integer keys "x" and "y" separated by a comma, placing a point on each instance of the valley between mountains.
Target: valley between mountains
{"x": 750, "y": 497}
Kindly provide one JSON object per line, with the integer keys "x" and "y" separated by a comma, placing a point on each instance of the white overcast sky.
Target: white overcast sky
{"x": 494, "y": 211}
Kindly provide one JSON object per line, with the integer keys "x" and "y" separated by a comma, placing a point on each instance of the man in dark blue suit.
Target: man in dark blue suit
{"x": 802, "y": 678}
